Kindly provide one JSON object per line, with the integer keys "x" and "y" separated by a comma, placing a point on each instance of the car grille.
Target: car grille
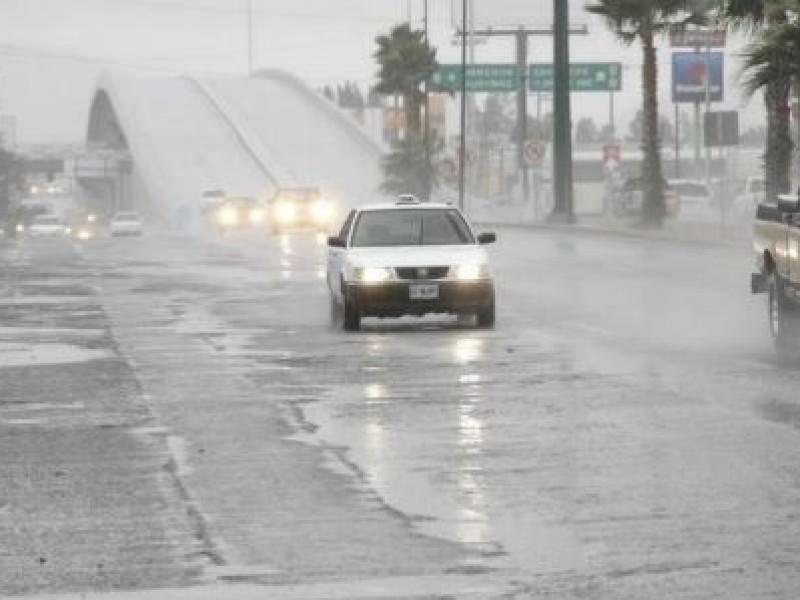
{"x": 422, "y": 272}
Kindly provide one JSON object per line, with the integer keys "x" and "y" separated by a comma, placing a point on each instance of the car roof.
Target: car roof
{"x": 406, "y": 206}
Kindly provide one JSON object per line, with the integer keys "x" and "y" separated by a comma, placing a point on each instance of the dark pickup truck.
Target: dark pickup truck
{"x": 777, "y": 247}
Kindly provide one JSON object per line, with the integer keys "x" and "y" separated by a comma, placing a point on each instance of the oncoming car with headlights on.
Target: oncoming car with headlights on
{"x": 409, "y": 258}
{"x": 301, "y": 209}
{"x": 239, "y": 213}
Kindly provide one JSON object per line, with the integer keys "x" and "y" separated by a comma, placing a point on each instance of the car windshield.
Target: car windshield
{"x": 411, "y": 227}
{"x": 126, "y": 217}
{"x": 213, "y": 194}
{"x": 46, "y": 220}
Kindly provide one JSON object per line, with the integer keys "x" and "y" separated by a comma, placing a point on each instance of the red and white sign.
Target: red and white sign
{"x": 611, "y": 152}
{"x": 534, "y": 152}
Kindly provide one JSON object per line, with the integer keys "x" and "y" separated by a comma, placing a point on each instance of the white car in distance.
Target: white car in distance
{"x": 46, "y": 226}
{"x": 125, "y": 223}
{"x": 409, "y": 258}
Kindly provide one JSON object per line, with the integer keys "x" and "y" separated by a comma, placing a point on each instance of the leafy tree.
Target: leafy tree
{"x": 405, "y": 61}
{"x": 666, "y": 129}
{"x": 404, "y": 168}
{"x": 607, "y": 134}
{"x": 645, "y": 21}
{"x": 495, "y": 119}
{"x": 754, "y": 136}
{"x": 586, "y": 131}
{"x": 541, "y": 128}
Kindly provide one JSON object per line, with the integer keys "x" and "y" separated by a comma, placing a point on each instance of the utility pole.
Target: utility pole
{"x": 249, "y": 37}
{"x": 562, "y": 114}
{"x": 427, "y": 123}
{"x": 463, "y": 145}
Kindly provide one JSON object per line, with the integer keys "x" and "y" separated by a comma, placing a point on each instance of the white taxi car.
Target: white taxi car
{"x": 409, "y": 258}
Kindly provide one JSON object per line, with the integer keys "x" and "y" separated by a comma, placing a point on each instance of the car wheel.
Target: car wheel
{"x": 486, "y": 316}
{"x": 781, "y": 319}
{"x": 352, "y": 316}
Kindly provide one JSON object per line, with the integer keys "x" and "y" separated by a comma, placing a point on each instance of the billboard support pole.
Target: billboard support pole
{"x": 677, "y": 141}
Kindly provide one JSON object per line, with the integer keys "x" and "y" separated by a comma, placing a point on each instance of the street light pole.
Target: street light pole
{"x": 462, "y": 152}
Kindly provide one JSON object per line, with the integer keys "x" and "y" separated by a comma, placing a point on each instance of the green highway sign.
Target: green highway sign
{"x": 583, "y": 77}
{"x": 480, "y": 78}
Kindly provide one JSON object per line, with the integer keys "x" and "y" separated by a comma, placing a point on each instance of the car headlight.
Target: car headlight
{"x": 322, "y": 211}
{"x": 20, "y": 228}
{"x": 68, "y": 230}
{"x": 91, "y": 218}
{"x": 285, "y": 212}
{"x": 472, "y": 272}
{"x": 84, "y": 234}
{"x": 256, "y": 216}
{"x": 228, "y": 216}
{"x": 372, "y": 274}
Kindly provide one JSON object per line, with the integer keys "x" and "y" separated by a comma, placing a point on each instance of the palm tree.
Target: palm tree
{"x": 768, "y": 66}
{"x": 405, "y": 61}
{"x": 406, "y": 170}
{"x": 645, "y": 21}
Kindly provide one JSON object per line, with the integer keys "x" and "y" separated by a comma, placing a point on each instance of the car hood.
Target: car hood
{"x": 414, "y": 256}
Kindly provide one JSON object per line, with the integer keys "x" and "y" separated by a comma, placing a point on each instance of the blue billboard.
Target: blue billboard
{"x": 689, "y": 76}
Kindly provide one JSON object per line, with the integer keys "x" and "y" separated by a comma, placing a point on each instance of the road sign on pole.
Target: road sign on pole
{"x": 480, "y": 78}
{"x": 534, "y": 152}
{"x": 583, "y": 77}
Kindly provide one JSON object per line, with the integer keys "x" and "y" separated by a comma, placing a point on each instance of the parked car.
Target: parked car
{"x": 630, "y": 199}
{"x": 125, "y": 223}
{"x": 696, "y": 200}
{"x": 749, "y": 197}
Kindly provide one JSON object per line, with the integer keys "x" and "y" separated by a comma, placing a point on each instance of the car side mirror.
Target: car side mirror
{"x": 336, "y": 242}
{"x": 487, "y": 238}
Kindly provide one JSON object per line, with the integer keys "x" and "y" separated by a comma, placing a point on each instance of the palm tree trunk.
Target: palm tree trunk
{"x": 413, "y": 113}
{"x": 778, "y": 155}
{"x": 653, "y": 209}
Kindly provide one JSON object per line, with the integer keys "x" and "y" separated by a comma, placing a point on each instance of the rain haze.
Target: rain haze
{"x": 285, "y": 313}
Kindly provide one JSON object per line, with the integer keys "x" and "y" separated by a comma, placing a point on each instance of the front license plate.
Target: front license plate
{"x": 427, "y": 291}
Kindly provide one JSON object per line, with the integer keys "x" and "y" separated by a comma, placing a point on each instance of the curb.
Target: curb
{"x": 735, "y": 238}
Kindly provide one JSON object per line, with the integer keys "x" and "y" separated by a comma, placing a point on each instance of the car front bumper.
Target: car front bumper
{"x": 394, "y": 299}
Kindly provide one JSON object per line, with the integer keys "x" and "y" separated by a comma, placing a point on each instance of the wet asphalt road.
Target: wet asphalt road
{"x": 625, "y": 432}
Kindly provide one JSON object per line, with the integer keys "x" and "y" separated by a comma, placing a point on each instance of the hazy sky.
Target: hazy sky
{"x": 51, "y": 51}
